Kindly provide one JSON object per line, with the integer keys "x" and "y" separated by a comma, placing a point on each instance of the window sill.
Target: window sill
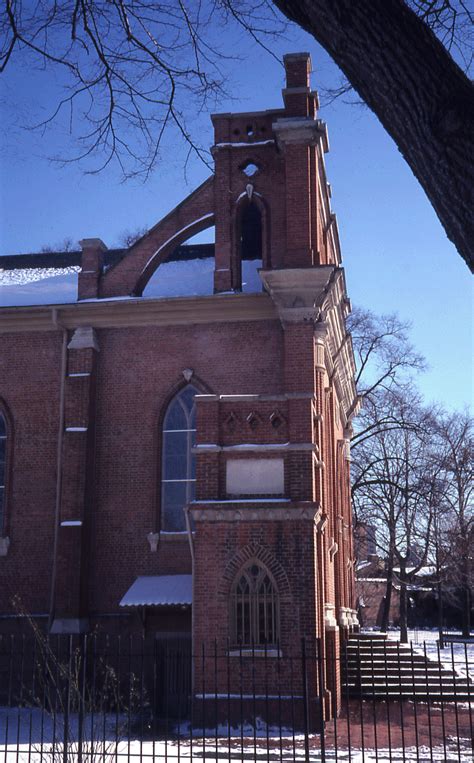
{"x": 181, "y": 535}
{"x": 270, "y": 652}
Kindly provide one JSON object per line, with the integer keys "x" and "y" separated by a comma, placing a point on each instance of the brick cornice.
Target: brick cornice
{"x": 123, "y": 313}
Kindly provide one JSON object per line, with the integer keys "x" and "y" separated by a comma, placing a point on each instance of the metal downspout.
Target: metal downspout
{"x": 59, "y": 459}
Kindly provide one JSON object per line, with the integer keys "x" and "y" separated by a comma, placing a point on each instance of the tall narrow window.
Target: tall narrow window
{"x": 178, "y": 476}
{"x": 251, "y": 233}
{"x": 3, "y": 458}
{"x": 254, "y": 605}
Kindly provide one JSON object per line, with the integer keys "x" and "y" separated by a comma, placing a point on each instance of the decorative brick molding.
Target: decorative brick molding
{"x": 262, "y": 398}
{"x": 128, "y": 313}
{"x": 298, "y": 293}
{"x": 302, "y": 130}
{"x": 330, "y": 622}
{"x": 346, "y": 617}
{"x": 258, "y": 514}
{"x": 153, "y": 540}
{"x": 243, "y": 557}
{"x": 255, "y": 447}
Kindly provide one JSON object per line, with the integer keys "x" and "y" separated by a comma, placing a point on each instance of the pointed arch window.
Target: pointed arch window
{"x": 254, "y": 608}
{"x": 178, "y": 476}
{"x": 3, "y": 469}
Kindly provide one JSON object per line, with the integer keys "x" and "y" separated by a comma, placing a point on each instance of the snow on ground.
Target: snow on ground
{"x": 457, "y": 653}
{"x": 48, "y": 286}
{"x": 28, "y": 735}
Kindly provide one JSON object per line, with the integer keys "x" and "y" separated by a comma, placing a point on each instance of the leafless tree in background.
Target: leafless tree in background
{"x": 412, "y": 470}
{"x": 392, "y": 489}
{"x": 385, "y": 360}
{"x": 454, "y": 459}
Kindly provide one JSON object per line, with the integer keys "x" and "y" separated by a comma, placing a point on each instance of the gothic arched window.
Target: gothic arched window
{"x": 254, "y": 608}
{"x": 3, "y": 468}
{"x": 178, "y": 475}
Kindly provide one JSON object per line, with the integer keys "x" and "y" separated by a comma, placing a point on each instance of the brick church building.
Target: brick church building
{"x": 180, "y": 464}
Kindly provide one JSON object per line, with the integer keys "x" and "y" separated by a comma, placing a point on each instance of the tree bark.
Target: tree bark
{"x": 422, "y": 98}
{"x": 403, "y": 613}
{"x": 387, "y": 601}
{"x": 466, "y": 600}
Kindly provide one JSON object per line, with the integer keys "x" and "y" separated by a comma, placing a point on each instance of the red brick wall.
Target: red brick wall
{"x": 30, "y": 379}
{"x": 139, "y": 369}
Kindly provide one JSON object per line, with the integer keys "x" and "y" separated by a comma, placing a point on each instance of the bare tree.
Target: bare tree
{"x": 132, "y": 69}
{"x": 455, "y": 461}
{"x": 389, "y": 488}
{"x": 385, "y": 360}
{"x": 129, "y": 237}
{"x": 136, "y": 68}
{"x": 66, "y": 245}
{"x": 392, "y": 489}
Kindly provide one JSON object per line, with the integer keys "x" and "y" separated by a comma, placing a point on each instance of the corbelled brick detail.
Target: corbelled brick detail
{"x": 262, "y": 554}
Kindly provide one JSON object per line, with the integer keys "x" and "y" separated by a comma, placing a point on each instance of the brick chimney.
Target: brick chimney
{"x": 297, "y": 96}
{"x": 91, "y": 268}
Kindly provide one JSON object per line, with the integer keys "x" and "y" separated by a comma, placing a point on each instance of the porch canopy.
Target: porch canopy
{"x": 160, "y": 591}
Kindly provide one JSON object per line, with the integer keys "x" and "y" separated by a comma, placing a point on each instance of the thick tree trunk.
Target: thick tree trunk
{"x": 409, "y": 80}
{"x": 466, "y": 614}
{"x": 403, "y": 613}
{"x": 387, "y": 601}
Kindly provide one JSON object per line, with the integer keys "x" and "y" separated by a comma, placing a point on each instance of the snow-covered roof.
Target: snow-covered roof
{"x": 426, "y": 571}
{"x": 55, "y": 286}
{"x": 362, "y": 564}
{"x": 159, "y": 591}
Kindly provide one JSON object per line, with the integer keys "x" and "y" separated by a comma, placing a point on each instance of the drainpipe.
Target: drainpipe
{"x": 191, "y": 547}
{"x": 59, "y": 458}
{"x": 190, "y": 534}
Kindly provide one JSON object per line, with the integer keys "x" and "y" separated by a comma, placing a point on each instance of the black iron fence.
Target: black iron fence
{"x": 109, "y": 698}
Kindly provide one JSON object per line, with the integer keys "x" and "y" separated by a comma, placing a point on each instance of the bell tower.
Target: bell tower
{"x": 268, "y": 167}
{"x": 273, "y": 498}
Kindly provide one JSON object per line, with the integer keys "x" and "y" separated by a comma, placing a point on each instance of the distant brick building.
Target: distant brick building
{"x": 148, "y": 440}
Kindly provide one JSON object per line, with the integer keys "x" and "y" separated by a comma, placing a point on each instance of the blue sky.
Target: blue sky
{"x": 396, "y": 254}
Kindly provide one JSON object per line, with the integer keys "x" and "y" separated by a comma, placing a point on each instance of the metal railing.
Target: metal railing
{"x": 110, "y": 698}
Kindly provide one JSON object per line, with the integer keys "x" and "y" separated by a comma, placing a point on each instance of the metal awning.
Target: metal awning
{"x": 160, "y": 591}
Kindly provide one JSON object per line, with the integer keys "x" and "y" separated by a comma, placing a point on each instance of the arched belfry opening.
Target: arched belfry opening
{"x": 250, "y": 251}
{"x": 251, "y": 230}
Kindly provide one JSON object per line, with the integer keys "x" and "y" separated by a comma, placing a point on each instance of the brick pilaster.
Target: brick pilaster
{"x": 77, "y": 482}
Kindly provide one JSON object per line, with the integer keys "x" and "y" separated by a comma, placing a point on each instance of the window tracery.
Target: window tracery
{"x": 254, "y": 608}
